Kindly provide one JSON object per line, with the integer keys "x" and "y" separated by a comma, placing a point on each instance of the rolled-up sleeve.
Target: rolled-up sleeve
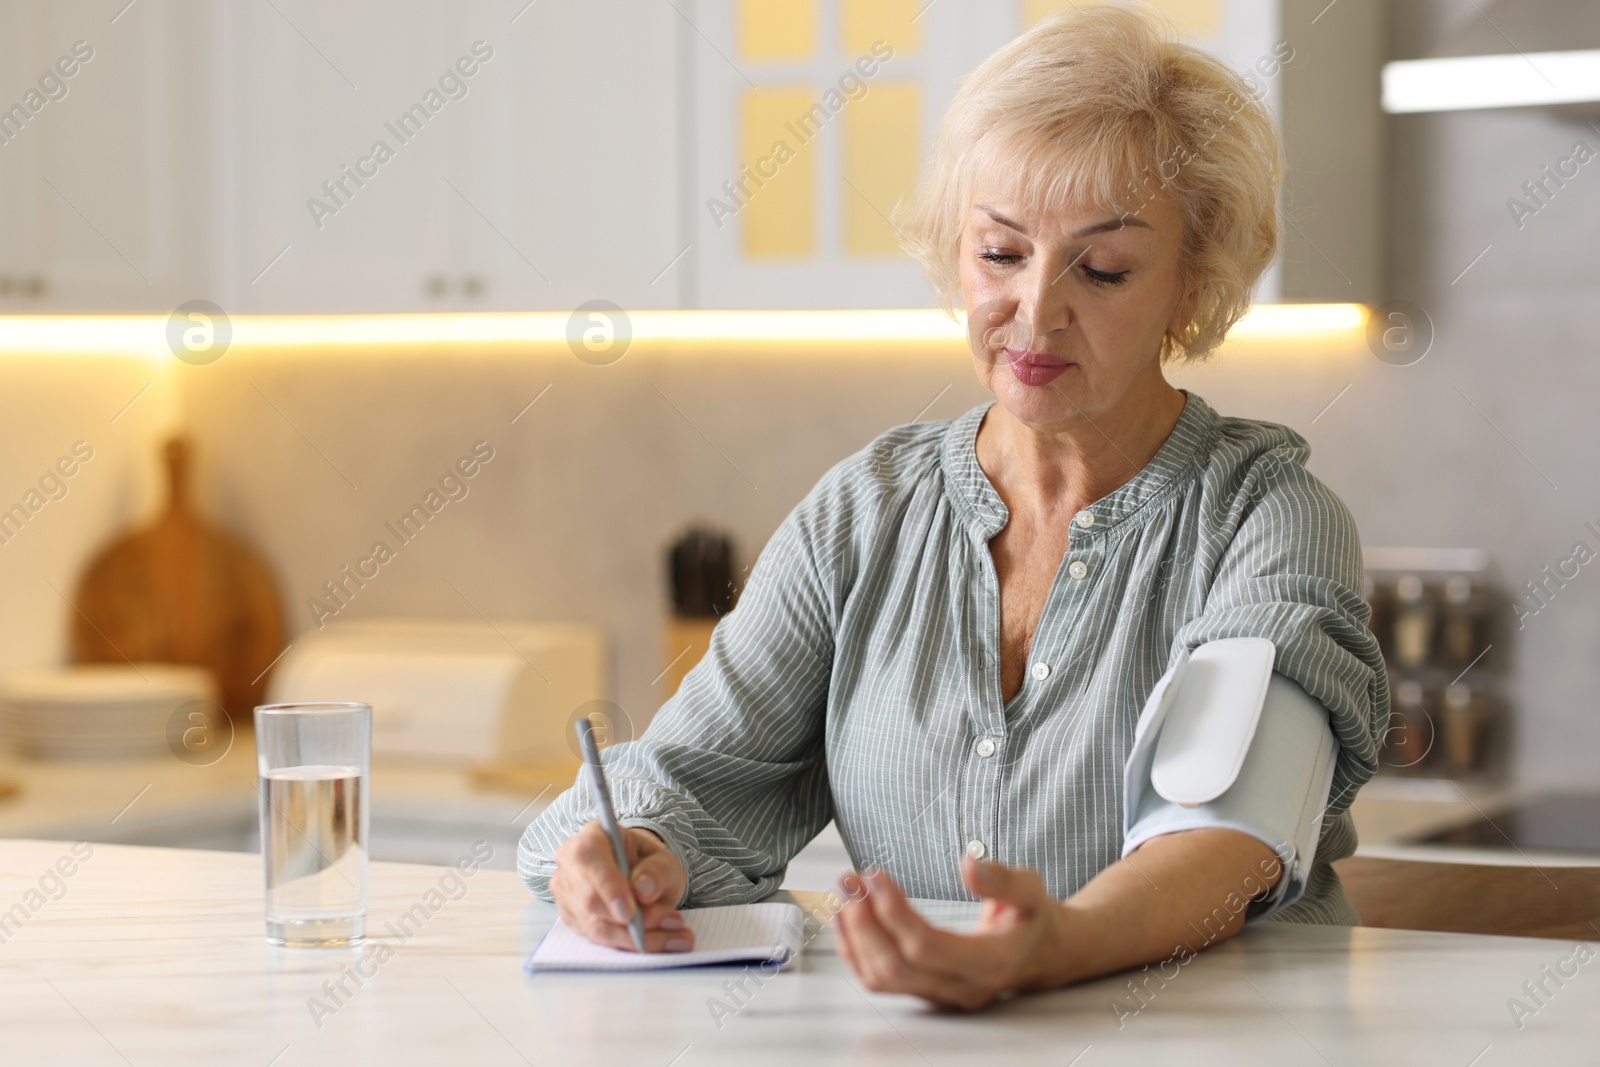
{"x": 1288, "y": 568}
{"x": 731, "y": 772}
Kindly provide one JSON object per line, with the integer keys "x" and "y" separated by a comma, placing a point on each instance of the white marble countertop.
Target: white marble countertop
{"x": 156, "y": 956}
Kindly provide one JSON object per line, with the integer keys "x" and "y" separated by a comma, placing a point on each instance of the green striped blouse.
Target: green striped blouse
{"x": 857, "y": 679}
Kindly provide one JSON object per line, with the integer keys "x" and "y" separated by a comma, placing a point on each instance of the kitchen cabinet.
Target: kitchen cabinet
{"x": 790, "y": 213}
{"x": 1333, "y": 232}
{"x": 328, "y": 220}
{"x": 810, "y": 121}
{"x": 104, "y": 198}
{"x": 541, "y": 155}
{"x": 541, "y": 179}
{"x": 578, "y": 180}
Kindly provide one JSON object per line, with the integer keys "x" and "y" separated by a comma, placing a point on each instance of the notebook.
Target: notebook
{"x": 772, "y": 932}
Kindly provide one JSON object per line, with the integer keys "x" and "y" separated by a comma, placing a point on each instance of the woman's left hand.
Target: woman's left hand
{"x": 1019, "y": 942}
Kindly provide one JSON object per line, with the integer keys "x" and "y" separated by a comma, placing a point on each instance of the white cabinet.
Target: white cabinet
{"x": 577, "y": 170}
{"x": 336, "y": 144}
{"x": 468, "y": 154}
{"x": 811, "y": 120}
{"x": 104, "y": 192}
{"x": 463, "y": 156}
{"x": 784, "y": 217}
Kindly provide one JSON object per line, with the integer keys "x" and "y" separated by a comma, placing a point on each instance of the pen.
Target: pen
{"x": 608, "y": 819}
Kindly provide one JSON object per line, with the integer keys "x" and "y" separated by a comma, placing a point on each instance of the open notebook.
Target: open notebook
{"x": 771, "y": 932}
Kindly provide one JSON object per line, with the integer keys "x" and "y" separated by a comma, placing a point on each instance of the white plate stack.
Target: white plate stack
{"x": 99, "y": 711}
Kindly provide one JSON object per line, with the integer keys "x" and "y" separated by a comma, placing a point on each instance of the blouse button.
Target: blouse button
{"x": 1041, "y": 671}
{"x": 975, "y": 849}
{"x": 1078, "y": 569}
{"x": 1085, "y": 519}
{"x": 986, "y": 748}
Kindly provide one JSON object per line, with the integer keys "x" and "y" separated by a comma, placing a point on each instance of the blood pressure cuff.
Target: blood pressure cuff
{"x": 1224, "y": 741}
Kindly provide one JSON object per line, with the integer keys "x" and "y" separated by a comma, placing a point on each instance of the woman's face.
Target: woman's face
{"x": 1067, "y": 312}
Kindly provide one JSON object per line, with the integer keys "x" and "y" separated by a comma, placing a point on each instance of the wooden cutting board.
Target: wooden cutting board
{"x": 182, "y": 591}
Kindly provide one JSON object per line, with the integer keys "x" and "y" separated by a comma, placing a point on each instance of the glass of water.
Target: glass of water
{"x": 314, "y": 761}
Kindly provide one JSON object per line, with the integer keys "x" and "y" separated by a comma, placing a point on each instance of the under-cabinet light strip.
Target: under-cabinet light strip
{"x": 1463, "y": 83}
{"x": 147, "y": 334}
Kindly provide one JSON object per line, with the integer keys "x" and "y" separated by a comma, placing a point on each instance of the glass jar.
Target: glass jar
{"x": 1409, "y": 740}
{"x": 1413, "y": 624}
{"x": 1463, "y": 623}
{"x": 1465, "y": 719}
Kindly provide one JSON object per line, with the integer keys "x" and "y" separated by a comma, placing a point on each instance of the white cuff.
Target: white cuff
{"x": 1283, "y": 761}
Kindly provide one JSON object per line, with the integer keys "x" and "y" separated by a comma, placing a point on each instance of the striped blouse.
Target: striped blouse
{"x": 858, "y": 677}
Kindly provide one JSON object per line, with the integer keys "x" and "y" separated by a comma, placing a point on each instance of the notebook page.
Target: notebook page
{"x": 739, "y": 933}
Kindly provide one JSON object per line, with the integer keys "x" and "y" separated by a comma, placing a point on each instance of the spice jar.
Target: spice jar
{"x": 1465, "y": 717}
{"x": 1409, "y": 739}
{"x": 1414, "y": 622}
{"x": 1463, "y": 623}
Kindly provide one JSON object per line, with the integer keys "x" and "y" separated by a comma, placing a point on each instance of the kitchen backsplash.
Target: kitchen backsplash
{"x": 314, "y": 456}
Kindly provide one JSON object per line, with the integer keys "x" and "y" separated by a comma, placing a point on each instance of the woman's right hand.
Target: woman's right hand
{"x": 595, "y": 900}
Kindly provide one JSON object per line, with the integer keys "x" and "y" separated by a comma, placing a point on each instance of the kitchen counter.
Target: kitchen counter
{"x": 424, "y": 814}
{"x": 419, "y": 813}
{"x": 153, "y": 956}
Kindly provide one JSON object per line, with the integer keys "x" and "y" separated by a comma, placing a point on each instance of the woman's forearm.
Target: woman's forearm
{"x": 1174, "y": 896}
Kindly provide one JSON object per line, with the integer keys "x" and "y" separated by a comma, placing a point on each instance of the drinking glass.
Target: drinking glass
{"x": 314, "y": 761}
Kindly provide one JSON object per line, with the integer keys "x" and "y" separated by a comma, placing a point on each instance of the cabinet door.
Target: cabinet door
{"x": 104, "y": 200}
{"x": 337, "y": 142}
{"x": 813, "y": 119}
{"x": 20, "y": 248}
{"x": 542, "y": 179}
{"x": 573, "y": 175}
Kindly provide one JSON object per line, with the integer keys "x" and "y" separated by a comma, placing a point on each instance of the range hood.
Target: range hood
{"x": 1511, "y": 53}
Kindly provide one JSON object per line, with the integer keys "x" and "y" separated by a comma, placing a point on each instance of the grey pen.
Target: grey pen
{"x": 608, "y": 819}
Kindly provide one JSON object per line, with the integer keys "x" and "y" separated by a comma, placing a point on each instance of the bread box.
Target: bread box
{"x": 454, "y": 692}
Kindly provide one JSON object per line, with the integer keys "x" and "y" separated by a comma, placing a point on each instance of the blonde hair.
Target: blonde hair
{"x": 1101, "y": 106}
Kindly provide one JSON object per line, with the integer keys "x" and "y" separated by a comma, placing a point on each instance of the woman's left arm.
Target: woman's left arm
{"x": 1176, "y": 895}
{"x": 1288, "y": 569}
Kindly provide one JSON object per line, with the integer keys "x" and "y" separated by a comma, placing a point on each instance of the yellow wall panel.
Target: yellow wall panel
{"x": 779, "y": 216}
{"x": 777, "y": 29}
{"x": 1193, "y": 18}
{"x": 882, "y": 139}
{"x": 862, "y": 23}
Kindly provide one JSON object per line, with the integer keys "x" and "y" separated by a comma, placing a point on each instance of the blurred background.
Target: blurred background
{"x": 461, "y": 357}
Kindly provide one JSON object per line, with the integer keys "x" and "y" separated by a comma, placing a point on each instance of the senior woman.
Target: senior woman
{"x": 946, "y": 646}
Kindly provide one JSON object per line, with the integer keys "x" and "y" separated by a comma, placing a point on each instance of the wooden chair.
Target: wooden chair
{"x": 1474, "y": 898}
